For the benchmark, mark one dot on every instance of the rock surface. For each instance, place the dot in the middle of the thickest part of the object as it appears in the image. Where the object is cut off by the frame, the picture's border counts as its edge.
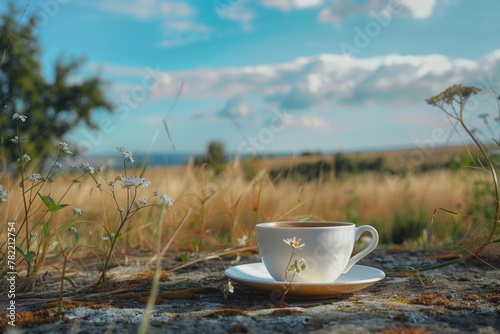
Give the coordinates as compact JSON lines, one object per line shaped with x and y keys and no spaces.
{"x":461,"y":298}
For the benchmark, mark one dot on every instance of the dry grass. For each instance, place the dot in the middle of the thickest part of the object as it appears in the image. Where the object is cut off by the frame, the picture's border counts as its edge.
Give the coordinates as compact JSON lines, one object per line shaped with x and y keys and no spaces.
{"x":215,"y":210}
{"x":227,"y":206}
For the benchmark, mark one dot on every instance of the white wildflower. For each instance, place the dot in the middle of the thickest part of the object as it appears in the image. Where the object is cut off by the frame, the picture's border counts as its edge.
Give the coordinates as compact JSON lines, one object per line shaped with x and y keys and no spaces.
{"x":73,"y":229}
{"x":242,"y":241}
{"x":34,"y":177}
{"x":301,"y":266}
{"x":63,"y":148}
{"x":126,"y":154}
{"x":166,"y":200}
{"x":85,"y":166}
{"x":227,"y":288}
{"x":25,"y":158}
{"x":3,"y":194}
{"x":78,"y":211}
{"x":20,"y":117}
{"x":105,"y":238}
{"x":15,"y":140}
{"x":230,"y":287}
{"x":143,"y":201}
{"x":57,"y":164}
{"x":293,"y":242}
{"x":2,"y":191}
{"x":134,"y":181}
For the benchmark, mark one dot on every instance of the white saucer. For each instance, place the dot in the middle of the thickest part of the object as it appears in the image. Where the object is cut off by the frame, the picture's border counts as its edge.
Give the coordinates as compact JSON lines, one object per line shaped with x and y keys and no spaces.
{"x":256,"y":276}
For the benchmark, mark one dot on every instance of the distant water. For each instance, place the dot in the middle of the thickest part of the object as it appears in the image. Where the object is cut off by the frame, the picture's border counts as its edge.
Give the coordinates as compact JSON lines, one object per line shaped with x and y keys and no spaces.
{"x":157,"y":160}
{"x":114,"y":160}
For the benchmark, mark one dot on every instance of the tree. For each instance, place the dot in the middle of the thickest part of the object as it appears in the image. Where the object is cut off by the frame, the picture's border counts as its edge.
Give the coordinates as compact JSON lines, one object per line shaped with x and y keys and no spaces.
{"x":215,"y":156}
{"x":53,"y":108}
{"x":216,"y":153}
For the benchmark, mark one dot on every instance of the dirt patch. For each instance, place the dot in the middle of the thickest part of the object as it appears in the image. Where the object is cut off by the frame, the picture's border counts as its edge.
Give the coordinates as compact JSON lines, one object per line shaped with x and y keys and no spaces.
{"x":462,"y":298}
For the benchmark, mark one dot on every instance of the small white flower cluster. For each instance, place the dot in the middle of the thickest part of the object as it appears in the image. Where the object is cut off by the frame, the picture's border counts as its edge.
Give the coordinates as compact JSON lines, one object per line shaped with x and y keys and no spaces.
{"x":227,"y":288}
{"x":135,"y":182}
{"x":85,"y":166}
{"x":167,"y":199}
{"x":20,"y":117}
{"x":164,"y":199}
{"x":78,"y":211}
{"x":25,"y":158}
{"x":33,"y":177}
{"x":126,"y":154}
{"x":63,"y":148}
{"x":3,"y":194}
{"x":15,"y":140}
{"x":298,"y":266}
{"x":242,"y":241}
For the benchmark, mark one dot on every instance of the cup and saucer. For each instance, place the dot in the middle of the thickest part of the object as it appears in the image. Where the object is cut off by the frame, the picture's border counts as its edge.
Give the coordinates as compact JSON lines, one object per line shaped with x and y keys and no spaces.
{"x":313,"y":257}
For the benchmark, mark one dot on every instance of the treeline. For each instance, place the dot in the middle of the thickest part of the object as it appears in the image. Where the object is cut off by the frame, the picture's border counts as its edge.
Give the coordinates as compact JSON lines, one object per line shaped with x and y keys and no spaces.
{"x":340,"y":165}
{"x":319,"y":166}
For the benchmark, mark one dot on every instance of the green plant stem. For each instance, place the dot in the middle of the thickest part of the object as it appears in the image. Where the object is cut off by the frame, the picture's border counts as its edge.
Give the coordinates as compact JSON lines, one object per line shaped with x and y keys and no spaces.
{"x":143,"y":328}
{"x":256,"y":206}
{"x":63,"y":273}
{"x":460,"y":118}
{"x":288,"y":286}
{"x":287,"y":268}
{"x":124,"y":219}
{"x":202,"y":224}
{"x":495,"y":183}
{"x":102,"y":279}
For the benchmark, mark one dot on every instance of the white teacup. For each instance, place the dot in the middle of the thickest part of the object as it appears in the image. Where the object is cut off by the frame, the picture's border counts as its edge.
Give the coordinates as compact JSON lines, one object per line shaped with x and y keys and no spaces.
{"x":326,"y":247}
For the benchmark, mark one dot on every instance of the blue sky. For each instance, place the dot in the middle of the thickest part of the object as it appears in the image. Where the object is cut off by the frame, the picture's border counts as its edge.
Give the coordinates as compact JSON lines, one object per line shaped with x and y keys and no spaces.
{"x":269,"y":76}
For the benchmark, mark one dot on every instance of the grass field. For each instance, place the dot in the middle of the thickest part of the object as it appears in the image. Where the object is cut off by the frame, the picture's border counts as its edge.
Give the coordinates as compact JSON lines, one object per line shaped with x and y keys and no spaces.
{"x":88,"y":219}
{"x":226,"y":207}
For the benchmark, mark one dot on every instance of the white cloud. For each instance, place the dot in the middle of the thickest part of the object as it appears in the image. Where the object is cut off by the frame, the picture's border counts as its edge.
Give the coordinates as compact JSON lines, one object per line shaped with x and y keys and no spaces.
{"x":309,"y":122}
{"x":242,"y":15}
{"x":325,"y":81}
{"x":179,"y":18}
{"x":334,"y":11}
{"x":292,"y":4}
{"x":419,"y":9}
{"x":236,"y":11}
{"x":235,"y":107}
{"x":148,"y":9}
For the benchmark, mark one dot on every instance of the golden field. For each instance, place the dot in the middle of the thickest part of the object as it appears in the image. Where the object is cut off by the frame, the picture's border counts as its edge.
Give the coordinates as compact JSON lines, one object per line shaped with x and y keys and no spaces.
{"x":218,"y":209}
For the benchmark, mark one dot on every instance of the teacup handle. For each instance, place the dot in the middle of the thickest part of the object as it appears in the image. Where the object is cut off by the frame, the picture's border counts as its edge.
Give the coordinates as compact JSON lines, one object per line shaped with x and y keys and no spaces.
{"x":367,"y":250}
